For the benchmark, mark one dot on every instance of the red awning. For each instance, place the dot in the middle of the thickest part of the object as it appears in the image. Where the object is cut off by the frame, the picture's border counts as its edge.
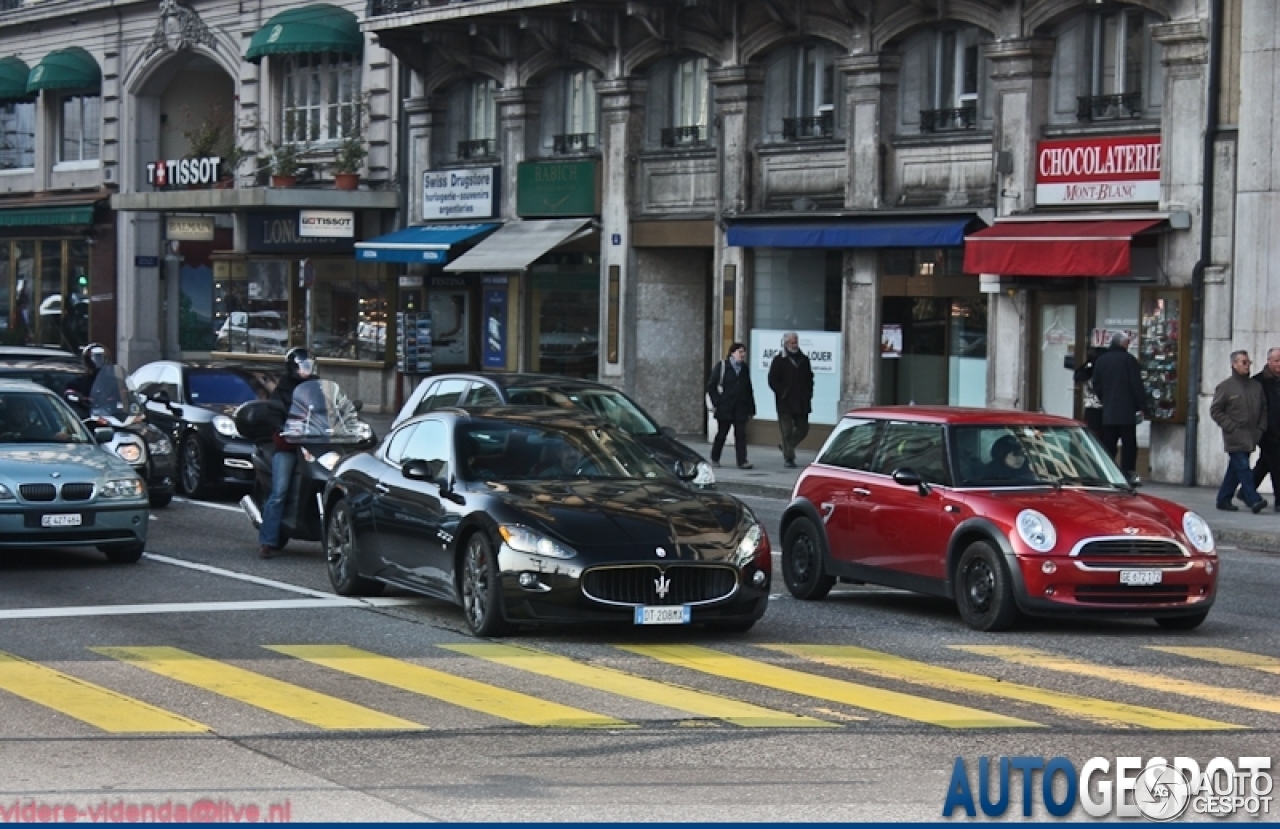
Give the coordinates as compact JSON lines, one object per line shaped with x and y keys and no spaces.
{"x":1063,"y":248}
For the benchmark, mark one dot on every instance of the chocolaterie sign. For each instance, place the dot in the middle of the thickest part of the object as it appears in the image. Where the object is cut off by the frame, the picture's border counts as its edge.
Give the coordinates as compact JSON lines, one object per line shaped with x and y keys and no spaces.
{"x":1113,"y":170}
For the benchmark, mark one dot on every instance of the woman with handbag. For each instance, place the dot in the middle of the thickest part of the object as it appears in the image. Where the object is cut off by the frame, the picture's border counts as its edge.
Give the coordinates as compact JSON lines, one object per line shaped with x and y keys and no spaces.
{"x":733,"y":401}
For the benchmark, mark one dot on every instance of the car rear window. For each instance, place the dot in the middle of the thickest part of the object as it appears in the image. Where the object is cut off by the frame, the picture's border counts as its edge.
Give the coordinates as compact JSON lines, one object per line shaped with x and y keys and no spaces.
{"x":224,"y":388}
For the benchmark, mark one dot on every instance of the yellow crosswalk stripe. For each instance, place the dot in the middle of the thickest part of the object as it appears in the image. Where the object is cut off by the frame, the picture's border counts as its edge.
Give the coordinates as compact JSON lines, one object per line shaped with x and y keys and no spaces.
{"x":1225,"y":656}
{"x":87,"y":702}
{"x":1035,"y":658}
{"x":635,"y":687}
{"x":866,"y":697}
{"x":282,"y":698}
{"x":467,"y":693}
{"x":948,"y":679}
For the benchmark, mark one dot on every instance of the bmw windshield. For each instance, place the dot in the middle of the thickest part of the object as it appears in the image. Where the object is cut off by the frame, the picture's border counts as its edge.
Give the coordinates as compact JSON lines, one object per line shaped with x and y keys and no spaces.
{"x":1025,"y":455}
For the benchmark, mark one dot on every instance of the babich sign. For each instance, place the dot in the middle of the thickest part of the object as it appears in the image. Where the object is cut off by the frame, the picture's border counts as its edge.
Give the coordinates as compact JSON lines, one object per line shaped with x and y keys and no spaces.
{"x":1098,"y":170}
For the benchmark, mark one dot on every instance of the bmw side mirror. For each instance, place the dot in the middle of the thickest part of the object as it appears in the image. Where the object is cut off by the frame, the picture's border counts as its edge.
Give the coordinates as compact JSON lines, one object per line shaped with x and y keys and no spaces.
{"x":907,"y":476}
{"x":103,"y":434}
{"x":667,"y":431}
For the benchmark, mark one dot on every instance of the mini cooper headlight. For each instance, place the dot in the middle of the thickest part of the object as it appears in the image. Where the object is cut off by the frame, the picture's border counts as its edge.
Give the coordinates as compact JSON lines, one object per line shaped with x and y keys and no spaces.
{"x":524,"y":540}
{"x":129,"y":452}
{"x":1036,"y":531}
{"x":1198,"y":532}
{"x":705,"y":475}
{"x":123,"y":488}
{"x":225,"y":426}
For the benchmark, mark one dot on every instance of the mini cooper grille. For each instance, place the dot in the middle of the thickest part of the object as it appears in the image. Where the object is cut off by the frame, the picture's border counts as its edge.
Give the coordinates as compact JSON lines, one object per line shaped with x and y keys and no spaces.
{"x":641,"y":584}
{"x":1121,"y":594}
{"x":37,"y":492}
{"x":1131,"y":547}
{"x":77,"y":492}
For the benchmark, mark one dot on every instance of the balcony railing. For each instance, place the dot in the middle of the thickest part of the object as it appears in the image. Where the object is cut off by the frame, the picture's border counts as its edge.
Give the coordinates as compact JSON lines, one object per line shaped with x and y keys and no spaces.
{"x":380,"y":7}
{"x":475,"y":148}
{"x":815,"y":126}
{"x":693,"y":136}
{"x":574,"y":142}
{"x":955,"y":119}
{"x":1109,"y":107}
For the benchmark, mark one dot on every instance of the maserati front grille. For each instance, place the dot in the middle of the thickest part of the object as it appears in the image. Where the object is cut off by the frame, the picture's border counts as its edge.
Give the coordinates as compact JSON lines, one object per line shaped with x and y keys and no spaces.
{"x":649,"y":584}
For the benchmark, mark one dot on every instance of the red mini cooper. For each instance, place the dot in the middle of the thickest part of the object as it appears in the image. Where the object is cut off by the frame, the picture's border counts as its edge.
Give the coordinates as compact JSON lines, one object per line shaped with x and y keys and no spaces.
{"x":1006,"y":512}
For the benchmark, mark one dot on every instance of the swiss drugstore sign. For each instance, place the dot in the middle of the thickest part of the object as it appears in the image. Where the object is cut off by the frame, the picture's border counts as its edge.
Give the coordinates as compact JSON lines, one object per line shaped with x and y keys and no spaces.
{"x":1098,"y":170}
{"x":450,"y":194}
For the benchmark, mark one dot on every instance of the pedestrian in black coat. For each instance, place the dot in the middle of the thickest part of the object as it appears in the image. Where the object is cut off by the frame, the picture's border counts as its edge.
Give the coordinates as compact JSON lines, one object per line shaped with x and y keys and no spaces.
{"x":734,"y":403}
{"x":791,"y":378}
{"x":1117,"y":380}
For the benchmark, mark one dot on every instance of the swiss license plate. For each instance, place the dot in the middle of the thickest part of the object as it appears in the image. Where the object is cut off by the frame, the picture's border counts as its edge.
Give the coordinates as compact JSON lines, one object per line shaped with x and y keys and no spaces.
{"x":69,"y":519}
{"x":1138,"y":578}
{"x":673,"y":615}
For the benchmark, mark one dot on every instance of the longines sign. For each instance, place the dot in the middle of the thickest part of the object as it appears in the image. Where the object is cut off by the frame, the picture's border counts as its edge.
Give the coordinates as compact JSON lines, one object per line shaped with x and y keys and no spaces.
{"x":1098,"y":170}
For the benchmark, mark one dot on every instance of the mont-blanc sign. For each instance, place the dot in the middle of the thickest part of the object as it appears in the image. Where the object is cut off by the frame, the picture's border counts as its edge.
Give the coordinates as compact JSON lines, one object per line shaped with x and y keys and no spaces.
{"x":1117,"y":170}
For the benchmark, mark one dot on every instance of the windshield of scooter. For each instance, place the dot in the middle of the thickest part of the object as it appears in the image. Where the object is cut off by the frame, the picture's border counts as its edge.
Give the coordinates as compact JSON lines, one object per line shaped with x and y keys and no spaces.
{"x":322,"y":413}
{"x":111,"y":397}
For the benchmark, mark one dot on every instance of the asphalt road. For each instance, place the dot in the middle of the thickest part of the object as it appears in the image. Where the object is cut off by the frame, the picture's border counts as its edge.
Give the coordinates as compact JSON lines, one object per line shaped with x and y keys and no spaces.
{"x":206,"y":678}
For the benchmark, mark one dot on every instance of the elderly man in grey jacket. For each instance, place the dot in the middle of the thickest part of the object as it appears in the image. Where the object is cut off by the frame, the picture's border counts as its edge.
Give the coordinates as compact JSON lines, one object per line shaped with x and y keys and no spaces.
{"x":1240,"y":410}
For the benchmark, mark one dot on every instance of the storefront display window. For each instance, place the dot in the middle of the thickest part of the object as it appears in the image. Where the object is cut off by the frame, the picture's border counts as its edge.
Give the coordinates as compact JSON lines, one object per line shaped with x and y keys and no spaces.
{"x":797,"y":289}
{"x":1163,"y":353}
{"x":44,"y":292}
{"x":566,"y":321}
{"x":348,"y":312}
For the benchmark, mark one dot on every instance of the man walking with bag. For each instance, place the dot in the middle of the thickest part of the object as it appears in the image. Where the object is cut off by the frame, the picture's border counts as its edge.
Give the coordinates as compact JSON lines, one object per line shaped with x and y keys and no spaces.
{"x":1240,"y":409}
{"x":734,"y":401}
{"x":791,"y":378}
{"x":1117,"y":380}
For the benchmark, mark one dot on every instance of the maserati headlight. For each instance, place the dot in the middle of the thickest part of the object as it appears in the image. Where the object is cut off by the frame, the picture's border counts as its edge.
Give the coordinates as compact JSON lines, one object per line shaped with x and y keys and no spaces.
{"x":1036,"y":531}
{"x":129,"y":452}
{"x":706,"y":476}
{"x":225,"y":426}
{"x":123,"y":488}
{"x":750,"y":543}
{"x":1198,"y":532}
{"x":524,"y":540}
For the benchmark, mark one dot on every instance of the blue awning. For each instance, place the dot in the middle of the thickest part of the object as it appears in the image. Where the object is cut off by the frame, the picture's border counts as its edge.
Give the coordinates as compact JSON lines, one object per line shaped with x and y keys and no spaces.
{"x":945,"y":232}
{"x":427,"y":244}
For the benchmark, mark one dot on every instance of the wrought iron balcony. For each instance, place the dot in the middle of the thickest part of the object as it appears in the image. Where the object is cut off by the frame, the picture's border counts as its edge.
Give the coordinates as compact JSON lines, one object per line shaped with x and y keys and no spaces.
{"x":475,"y":148}
{"x":816,"y":126}
{"x":380,"y":7}
{"x":1109,"y":107}
{"x":955,"y":119}
{"x":693,"y":136}
{"x":574,"y":142}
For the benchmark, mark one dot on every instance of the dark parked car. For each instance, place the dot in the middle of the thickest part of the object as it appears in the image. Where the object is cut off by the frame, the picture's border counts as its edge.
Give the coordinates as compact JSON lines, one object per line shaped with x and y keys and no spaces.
{"x":193,"y":404}
{"x":533,"y":515}
{"x":480,"y":390}
{"x":1006,"y":512}
{"x":58,"y":486}
{"x":55,"y":369}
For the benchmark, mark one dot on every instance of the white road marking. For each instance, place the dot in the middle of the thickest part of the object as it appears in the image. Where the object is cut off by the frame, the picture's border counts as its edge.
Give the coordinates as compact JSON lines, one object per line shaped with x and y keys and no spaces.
{"x":198,"y":607}
{"x":210,"y":504}
{"x":232,"y":574}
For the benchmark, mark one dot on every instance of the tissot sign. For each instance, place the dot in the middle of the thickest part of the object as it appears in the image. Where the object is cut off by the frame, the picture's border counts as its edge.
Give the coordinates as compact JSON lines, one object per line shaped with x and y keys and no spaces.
{"x":1098,"y":170}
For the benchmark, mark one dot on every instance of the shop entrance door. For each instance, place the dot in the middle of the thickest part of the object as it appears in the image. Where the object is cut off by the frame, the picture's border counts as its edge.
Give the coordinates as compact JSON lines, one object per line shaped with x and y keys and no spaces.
{"x":1056,"y":347}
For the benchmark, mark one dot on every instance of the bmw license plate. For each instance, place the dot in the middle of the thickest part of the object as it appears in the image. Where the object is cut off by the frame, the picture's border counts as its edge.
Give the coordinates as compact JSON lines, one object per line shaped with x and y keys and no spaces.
{"x":69,"y":519}
{"x":673,"y":615}
{"x":1137,"y":578}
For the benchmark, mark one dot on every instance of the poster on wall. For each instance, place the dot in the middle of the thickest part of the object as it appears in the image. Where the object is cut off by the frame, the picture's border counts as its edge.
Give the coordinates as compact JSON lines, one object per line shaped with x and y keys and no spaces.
{"x":495,"y":327}
{"x":891,"y":341}
{"x":823,"y":348}
{"x":451,"y":334}
{"x":413,"y":342}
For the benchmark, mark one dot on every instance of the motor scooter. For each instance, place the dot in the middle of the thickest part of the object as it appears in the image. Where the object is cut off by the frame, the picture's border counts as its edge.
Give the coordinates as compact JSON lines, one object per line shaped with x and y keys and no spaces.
{"x":144,"y":447}
{"x":323,"y":426}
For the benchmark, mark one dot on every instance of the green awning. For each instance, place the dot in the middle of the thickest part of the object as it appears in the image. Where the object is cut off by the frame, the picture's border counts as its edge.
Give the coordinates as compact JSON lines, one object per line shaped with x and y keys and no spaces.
{"x":319,"y":27}
{"x":13,"y":80}
{"x":44,"y":216}
{"x":70,"y":68}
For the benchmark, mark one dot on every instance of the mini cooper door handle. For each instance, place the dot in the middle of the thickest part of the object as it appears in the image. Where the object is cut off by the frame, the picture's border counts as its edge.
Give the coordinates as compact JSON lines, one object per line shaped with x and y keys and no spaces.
{"x":857,"y":490}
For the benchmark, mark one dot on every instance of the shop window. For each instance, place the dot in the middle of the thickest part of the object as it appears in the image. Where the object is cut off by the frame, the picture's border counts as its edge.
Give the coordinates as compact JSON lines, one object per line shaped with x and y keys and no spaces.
{"x":571,"y":112}
{"x":348,"y":312}
{"x":688,"y":118}
{"x":321,"y":97}
{"x":44,"y":293}
{"x":475,"y":127}
{"x":79,"y":128}
{"x":943,"y":79}
{"x":797,"y":289}
{"x":1107,"y":67}
{"x":566,"y":314}
{"x":17,"y":135}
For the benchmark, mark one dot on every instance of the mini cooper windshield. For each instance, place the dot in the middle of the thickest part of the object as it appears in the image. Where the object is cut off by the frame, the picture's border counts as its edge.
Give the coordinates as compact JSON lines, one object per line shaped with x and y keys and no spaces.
{"x":1024,"y":455}
{"x":490,"y":450}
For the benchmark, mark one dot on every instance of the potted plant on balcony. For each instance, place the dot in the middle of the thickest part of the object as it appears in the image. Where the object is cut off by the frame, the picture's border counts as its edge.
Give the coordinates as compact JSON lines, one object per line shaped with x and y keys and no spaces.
{"x":348,"y":158}
{"x":207,"y":138}
{"x":284,"y":157}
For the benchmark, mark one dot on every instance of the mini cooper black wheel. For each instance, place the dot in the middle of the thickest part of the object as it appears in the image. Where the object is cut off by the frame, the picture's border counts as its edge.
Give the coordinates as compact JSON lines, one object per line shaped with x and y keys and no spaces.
{"x":340,"y":554}
{"x":984,"y":594}
{"x":802,"y":568}
{"x":481,"y":588}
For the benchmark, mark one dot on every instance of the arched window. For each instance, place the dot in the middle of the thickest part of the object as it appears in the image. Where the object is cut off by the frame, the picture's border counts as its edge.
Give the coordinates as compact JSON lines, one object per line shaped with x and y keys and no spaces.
{"x":320,"y":97}
{"x":943,"y":79}
{"x":473,"y":122}
{"x":570,"y":112}
{"x":802,"y":93}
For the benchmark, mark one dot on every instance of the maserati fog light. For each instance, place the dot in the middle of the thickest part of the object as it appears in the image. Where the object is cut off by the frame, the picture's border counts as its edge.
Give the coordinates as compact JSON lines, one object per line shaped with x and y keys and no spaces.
{"x":528,"y":580}
{"x":758,"y":578}
{"x":1048,"y":567}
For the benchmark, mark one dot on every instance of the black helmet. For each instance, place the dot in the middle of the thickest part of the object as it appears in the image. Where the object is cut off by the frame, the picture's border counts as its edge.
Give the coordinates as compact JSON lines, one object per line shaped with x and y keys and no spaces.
{"x":95,"y":356}
{"x":300,"y":364}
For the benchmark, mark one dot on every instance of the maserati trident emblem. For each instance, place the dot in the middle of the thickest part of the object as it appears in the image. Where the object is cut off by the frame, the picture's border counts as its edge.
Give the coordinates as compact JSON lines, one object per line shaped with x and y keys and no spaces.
{"x":662,"y":585}
{"x":1131,"y":530}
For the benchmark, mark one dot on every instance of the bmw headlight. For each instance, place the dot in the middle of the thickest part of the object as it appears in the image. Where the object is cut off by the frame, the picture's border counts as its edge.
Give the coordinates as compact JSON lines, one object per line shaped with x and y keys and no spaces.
{"x":1036,"y":531}
{"x":750,"y":543}
{"x":705,"y":475}
{"x":160,"y":446}
{"x":225,"y":426}
{"x":129,"y":452}
{"x":123,"y":488}
{"x":1198,"y":532}
{"x":524,"y":540}
{"x":5,"y":493}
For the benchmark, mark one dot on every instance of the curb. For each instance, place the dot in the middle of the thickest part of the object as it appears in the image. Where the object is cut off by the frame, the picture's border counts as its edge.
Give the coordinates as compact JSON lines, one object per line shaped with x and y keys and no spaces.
{"x":1248,"y":540}
{"x":748,"y":488}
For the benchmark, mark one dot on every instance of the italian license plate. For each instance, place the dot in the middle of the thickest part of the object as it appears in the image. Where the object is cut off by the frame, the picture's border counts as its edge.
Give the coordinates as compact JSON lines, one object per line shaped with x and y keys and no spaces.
{"x":674,"y":615}
{"x":70,"y":519}
{"x":1138,"y":578}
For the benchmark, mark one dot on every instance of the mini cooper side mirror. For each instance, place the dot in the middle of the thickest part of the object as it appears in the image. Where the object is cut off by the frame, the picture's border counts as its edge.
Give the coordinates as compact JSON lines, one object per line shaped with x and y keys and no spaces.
{"x":906,"y":476}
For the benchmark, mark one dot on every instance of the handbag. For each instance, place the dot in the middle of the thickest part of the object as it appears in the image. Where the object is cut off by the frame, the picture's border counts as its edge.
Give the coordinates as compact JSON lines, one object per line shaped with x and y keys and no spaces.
{"x":711,"y":407}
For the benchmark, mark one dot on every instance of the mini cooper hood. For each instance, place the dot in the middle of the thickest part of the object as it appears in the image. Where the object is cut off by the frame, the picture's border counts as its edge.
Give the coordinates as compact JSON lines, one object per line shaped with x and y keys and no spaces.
{"x":1084,"y":512}
{"x":607,"y":514}
{"x":71,"y":461}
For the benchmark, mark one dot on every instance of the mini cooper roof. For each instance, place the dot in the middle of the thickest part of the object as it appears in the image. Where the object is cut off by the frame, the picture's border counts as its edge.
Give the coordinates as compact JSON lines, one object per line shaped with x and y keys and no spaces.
{"x":961,"y":416}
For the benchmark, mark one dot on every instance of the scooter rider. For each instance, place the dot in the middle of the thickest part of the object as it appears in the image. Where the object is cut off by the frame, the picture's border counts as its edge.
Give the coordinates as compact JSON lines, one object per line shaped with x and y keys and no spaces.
{"x":299,"y":366}
{"x":95,"y":357}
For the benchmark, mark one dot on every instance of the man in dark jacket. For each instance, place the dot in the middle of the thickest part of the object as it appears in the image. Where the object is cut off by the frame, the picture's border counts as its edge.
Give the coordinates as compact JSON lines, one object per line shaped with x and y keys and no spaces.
{"x":1239,"y":409}
{"x":1269,"y":446}
{"x":1117,"y":380}
{"x":791,"y":378}
{"x":299,"y":367}
{"x":734,"y":402}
